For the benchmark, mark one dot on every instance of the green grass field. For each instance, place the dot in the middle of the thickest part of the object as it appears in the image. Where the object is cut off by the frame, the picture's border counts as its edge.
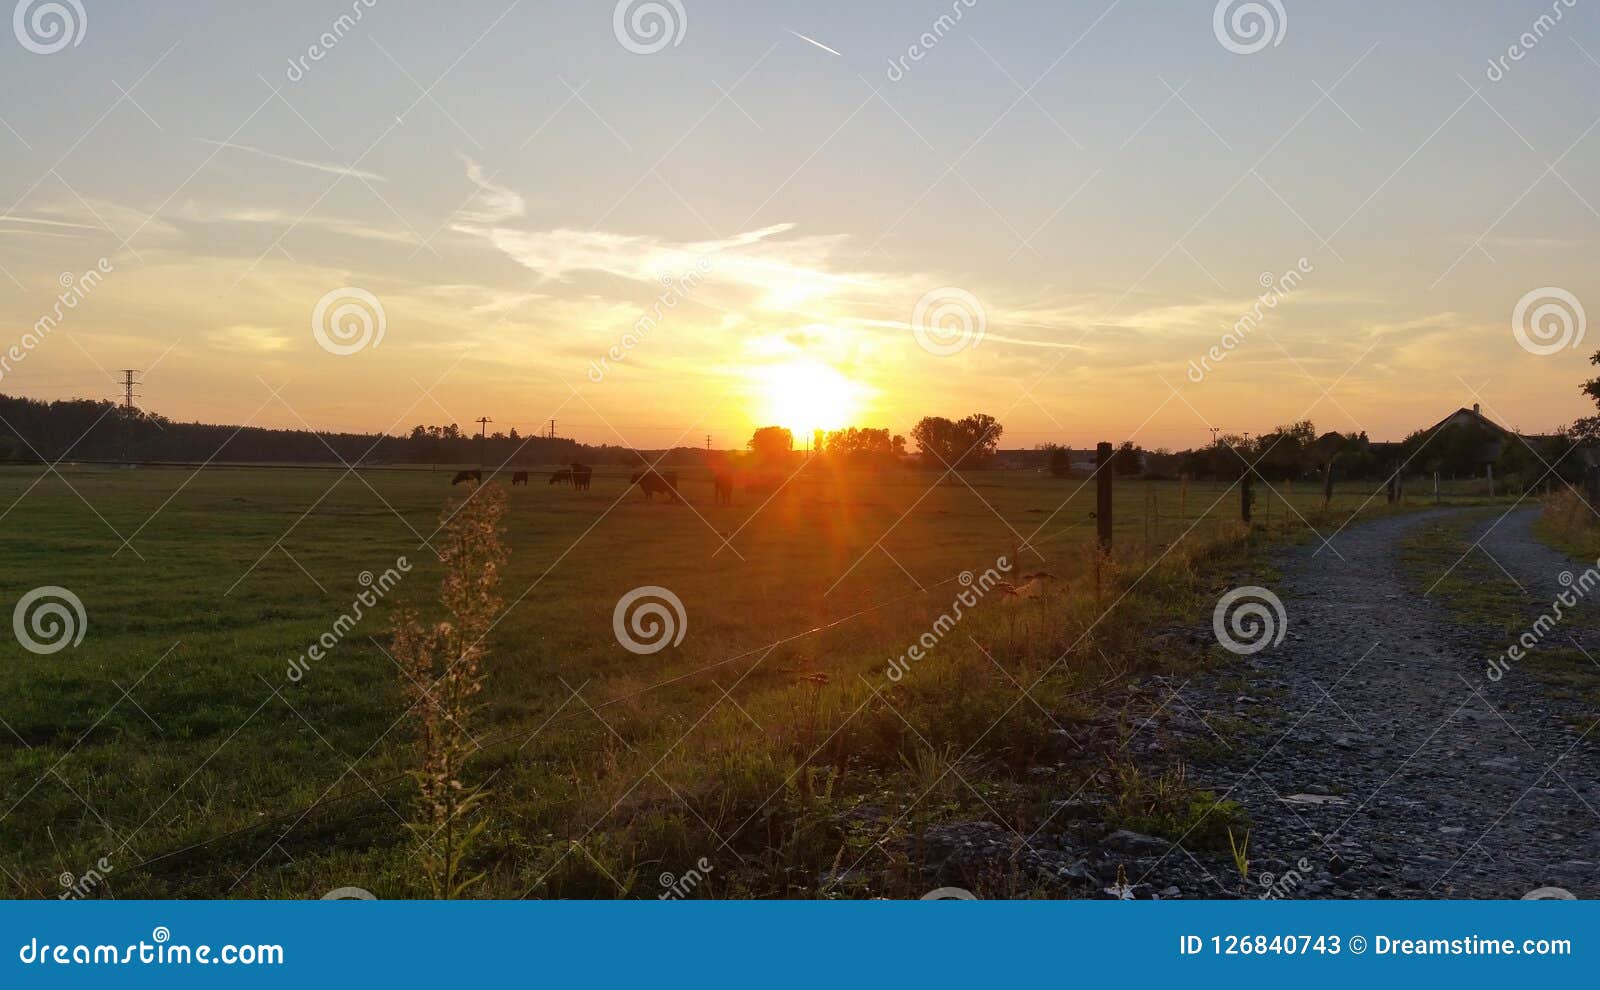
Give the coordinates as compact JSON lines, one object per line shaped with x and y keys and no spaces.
{"x":172,"y":748}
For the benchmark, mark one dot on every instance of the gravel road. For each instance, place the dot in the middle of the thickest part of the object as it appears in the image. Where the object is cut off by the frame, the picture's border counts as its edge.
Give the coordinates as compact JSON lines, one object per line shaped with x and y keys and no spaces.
{"x":1373,"y":752}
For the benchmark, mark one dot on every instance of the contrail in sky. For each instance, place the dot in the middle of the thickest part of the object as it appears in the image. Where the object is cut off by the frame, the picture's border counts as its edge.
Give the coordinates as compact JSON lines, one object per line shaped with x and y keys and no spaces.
{"x":813,"y":41}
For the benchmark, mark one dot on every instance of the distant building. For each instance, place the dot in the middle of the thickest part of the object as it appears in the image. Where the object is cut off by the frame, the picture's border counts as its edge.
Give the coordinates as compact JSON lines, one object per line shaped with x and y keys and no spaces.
{"x":1487,"y":452}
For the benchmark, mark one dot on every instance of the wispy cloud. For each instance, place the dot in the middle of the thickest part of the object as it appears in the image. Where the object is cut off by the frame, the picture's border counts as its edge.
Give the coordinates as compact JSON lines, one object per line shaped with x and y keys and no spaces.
{"x":249,"y":339}
{"x":492,"y":203}
{"x":272,"y":217}
{"x":331,"y":169}
{"x":37,"y":221}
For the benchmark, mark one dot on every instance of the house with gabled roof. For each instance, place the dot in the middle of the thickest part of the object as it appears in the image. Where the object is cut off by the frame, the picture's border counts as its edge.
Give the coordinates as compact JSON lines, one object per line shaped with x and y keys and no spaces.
{"x":1495,"y":436}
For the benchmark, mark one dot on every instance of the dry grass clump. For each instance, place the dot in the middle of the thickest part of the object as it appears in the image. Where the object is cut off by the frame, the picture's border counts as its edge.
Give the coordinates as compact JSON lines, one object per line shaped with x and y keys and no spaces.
{"x":441,"y":672}
{"x":1569,"y":523}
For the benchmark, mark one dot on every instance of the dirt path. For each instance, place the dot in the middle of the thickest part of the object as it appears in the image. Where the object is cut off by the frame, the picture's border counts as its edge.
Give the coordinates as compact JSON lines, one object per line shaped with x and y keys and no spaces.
{"x":1373,"y":752}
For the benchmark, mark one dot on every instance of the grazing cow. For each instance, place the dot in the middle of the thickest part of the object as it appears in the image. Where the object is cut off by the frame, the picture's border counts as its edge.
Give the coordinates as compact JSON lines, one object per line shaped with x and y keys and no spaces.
{"x":723,"y":482}
{"x":519,"y":478}
{"x":651,"y":482}
{"x":473,"y":476}
{"x":561,"y":477}
{"x":581,"y":473}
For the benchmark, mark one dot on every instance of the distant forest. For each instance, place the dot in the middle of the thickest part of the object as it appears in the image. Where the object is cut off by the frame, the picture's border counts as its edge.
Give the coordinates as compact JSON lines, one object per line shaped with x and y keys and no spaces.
{"x":97,"y":430}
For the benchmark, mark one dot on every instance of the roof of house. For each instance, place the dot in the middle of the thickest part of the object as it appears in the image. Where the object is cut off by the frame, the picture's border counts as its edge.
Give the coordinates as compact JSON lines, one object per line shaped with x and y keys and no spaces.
{"x":1464,"y":415}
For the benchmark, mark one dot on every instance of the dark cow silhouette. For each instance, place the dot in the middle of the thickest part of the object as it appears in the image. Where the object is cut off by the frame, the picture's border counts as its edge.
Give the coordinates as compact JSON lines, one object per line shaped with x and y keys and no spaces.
{"x":474,"y":476}
{"x":519,"y":478}
{"x":723,"y":482}
{"x":581,"y":474}
{"x":651,"y":482}
{"x":561,"y":477}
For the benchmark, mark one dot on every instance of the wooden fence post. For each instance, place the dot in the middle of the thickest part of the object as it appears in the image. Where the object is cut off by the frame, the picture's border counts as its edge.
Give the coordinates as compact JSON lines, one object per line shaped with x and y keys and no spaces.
{"x":1245,"y":497}
{"x":1102,"y":506}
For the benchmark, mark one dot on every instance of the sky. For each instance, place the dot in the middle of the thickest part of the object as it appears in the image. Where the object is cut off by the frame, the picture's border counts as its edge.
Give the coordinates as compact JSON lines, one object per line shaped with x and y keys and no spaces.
{"x":656,"y":221}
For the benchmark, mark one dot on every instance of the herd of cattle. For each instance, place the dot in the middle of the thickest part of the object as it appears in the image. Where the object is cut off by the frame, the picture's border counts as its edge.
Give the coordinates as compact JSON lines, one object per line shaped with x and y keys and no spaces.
{"x":577,"y":476}
{"x":651,"y":482}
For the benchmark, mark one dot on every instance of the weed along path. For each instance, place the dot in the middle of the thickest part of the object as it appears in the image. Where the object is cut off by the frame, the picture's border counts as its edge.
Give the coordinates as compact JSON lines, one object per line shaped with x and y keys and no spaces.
{"x":1390,"y":743}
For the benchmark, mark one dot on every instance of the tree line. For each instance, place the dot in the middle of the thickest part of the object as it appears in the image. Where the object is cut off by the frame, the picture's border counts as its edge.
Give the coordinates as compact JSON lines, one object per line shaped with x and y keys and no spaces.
{"x":967,"y":443}
{"x":96,"y":430}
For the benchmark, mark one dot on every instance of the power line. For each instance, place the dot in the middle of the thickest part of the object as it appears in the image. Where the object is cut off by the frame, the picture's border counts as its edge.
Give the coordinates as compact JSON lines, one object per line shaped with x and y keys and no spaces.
{"x":483,"y":425}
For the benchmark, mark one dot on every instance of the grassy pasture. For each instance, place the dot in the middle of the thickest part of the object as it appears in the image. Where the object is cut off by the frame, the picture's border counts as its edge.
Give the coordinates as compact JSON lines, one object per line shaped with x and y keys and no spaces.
{"x":174,"y":724}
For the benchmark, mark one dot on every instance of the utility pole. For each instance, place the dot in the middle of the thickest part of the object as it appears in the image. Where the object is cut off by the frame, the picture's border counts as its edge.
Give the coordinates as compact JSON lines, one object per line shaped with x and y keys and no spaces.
{"x":483,"y":425}
{"x":708,"y":441}
{"x":128,"y":386}
{"x":552,"y":429}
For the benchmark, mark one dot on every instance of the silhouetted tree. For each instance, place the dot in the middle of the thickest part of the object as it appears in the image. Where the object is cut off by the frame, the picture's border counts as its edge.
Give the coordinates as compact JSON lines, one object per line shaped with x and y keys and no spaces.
{"x":1060,"y":462}
{"x":967,"y":443}
{"x":1128,"y":460}
{"x":771,"y":443}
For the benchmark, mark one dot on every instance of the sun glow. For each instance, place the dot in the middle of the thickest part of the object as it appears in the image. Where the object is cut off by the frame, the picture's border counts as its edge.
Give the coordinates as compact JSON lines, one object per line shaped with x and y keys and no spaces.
{"x":806,"y":396}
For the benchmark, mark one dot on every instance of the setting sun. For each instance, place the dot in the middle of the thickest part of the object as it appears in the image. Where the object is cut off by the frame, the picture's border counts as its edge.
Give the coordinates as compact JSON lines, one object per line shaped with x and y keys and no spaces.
{"x":806,"y":396}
